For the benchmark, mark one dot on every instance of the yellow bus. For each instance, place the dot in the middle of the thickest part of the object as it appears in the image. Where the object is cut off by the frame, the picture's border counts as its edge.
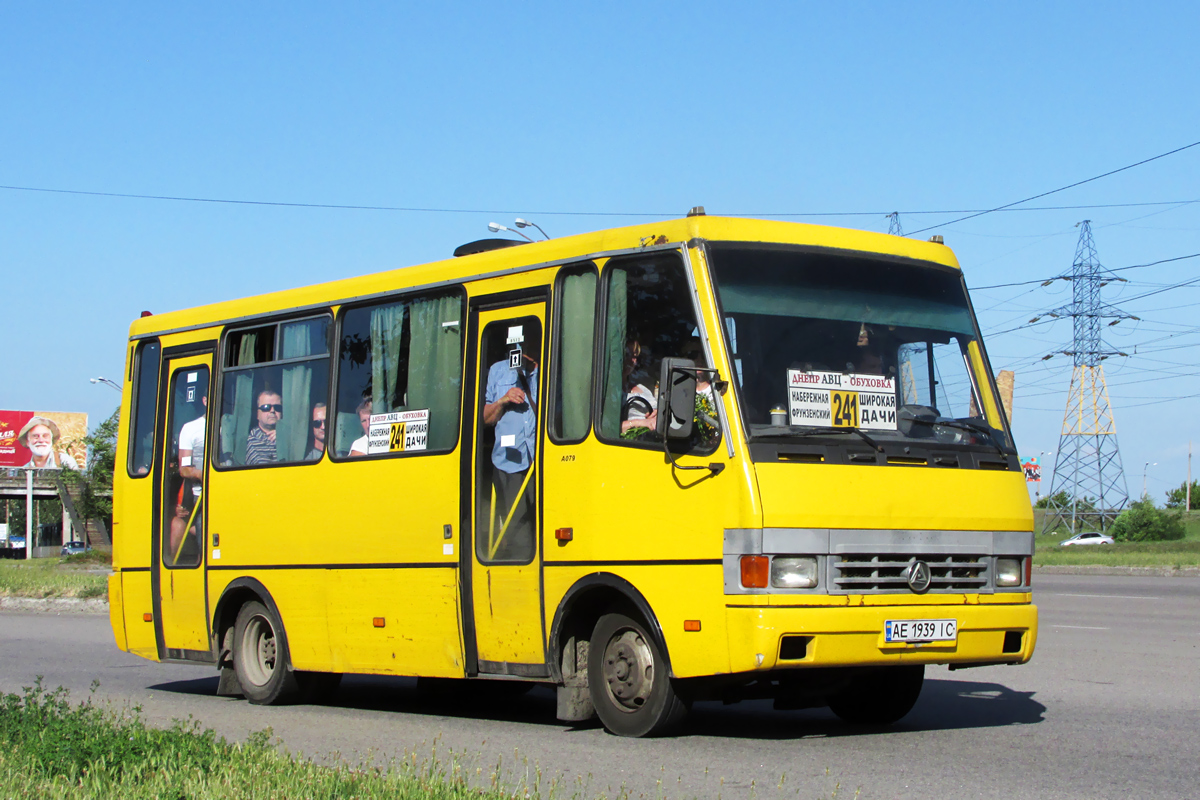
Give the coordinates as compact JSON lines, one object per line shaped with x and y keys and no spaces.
{"x":706,"y":458}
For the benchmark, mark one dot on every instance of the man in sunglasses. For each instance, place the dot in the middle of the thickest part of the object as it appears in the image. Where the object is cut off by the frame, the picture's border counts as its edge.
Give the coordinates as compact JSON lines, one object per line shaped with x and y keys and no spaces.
{"x":260,"y":444}
{"x":318,"y":430}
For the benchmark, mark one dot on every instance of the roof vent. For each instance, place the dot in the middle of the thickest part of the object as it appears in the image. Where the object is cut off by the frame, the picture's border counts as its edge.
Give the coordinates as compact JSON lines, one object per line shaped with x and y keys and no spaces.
{"x":483,"y":246}
{"x":696,"y":211}
{"x":936,"y":239}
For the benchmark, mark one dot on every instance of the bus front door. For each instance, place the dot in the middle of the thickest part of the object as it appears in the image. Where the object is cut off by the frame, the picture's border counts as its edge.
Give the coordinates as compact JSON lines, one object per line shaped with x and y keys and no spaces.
{"x":505,"y":563}
{"x":180,"y":602}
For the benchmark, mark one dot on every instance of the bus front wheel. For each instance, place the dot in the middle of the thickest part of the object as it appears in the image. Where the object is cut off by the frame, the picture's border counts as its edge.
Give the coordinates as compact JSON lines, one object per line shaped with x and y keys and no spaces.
{"x":260,"y":656}
{"x":879,"y":697}
{"x":628,"y":680}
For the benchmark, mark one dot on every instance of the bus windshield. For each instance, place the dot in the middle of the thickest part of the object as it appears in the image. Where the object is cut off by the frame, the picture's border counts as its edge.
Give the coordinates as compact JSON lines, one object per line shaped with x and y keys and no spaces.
{"x":823,"y":343}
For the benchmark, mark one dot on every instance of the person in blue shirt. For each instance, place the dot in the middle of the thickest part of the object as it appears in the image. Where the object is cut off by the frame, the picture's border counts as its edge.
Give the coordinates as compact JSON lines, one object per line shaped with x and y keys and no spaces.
{"x":510,"y":406}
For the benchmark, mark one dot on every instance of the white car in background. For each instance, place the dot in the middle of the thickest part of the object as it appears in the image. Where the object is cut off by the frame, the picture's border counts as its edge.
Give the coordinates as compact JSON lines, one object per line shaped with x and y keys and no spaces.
{"x":1087,"y":538}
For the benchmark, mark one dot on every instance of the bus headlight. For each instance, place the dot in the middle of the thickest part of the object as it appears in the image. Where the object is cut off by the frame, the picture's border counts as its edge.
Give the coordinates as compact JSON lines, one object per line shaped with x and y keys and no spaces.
{"x":793,"y":572}
{"x":1008,"y":572}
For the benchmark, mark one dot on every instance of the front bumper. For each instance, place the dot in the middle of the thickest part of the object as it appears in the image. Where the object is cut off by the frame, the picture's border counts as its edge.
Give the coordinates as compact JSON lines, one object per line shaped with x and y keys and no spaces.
{"x":853,"y":636}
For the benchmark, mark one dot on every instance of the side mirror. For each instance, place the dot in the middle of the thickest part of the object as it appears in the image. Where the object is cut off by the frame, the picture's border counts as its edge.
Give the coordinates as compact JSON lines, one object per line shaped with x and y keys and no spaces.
{"x":676,"y":398}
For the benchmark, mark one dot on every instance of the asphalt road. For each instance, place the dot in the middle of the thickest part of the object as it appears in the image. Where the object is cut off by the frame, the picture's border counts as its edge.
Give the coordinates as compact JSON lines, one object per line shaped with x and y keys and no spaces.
{"x":1109,"y":707}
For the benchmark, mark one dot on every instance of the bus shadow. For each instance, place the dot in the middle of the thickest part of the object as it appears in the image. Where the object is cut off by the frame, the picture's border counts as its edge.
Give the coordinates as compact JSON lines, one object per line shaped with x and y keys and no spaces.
{"x":944,"y":705}
{"x":491,"y":700}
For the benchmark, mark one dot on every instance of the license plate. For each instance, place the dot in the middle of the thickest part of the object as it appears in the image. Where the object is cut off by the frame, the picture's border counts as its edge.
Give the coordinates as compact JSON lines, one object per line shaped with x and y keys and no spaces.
{"x":920,"y":630}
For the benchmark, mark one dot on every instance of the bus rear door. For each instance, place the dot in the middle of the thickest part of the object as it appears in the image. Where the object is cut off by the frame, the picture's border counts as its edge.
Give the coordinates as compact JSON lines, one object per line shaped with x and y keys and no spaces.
{"x":180,"y":602}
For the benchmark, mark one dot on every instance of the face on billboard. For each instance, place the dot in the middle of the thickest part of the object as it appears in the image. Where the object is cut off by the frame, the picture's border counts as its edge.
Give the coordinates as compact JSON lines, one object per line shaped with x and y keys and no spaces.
{"x":55,"y":439}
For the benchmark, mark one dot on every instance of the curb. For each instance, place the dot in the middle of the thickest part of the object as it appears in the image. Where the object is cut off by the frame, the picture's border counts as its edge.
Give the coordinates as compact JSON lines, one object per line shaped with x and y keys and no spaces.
{"x":1145,"y":572}
{"x":55,"y":605}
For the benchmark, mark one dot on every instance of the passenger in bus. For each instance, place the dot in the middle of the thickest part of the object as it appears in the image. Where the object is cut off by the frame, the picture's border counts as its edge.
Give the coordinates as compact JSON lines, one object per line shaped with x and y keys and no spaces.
{"x":318,"y":433}
{"x":260,"y":444}
{"x":359,"y":448}
{"x":191,"y":471}
{"x":510,"y":405}
{"x":640,"y":407}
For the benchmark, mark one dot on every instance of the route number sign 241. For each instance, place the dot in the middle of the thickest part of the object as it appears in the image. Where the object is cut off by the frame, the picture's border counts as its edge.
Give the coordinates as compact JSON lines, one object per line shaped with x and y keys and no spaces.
{"x":841,"y":400}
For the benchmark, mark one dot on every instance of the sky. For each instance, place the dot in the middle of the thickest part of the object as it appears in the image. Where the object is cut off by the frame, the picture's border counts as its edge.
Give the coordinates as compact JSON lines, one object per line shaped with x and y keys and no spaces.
{"x":587,"y":116}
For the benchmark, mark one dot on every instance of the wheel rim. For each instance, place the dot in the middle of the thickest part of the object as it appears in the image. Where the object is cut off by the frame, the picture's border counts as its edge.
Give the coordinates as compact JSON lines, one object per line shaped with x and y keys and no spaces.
{"x":629,"y":670}
{"x":258,"y":649}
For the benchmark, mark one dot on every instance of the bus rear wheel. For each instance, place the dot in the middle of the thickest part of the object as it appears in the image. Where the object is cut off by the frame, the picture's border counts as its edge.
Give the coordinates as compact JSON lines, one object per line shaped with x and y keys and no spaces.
{"x":881,"y":696}
{"x":628,"y":680}
{"x":260,"y":656}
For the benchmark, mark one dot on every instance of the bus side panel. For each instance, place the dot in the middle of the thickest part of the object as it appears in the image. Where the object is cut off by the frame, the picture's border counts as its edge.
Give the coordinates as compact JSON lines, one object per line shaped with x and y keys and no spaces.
{"x":417,"y":607}
{"x":382,"y":518}
{"x":137,"y":603}
{"x":623,"y":505}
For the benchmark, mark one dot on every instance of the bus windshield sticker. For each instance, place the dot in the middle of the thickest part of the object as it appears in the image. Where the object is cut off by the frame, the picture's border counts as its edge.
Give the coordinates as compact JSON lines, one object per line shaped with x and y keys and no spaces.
{"x":516,"y":334}
{"x":398,"y":432}
{"x":840,"y":400}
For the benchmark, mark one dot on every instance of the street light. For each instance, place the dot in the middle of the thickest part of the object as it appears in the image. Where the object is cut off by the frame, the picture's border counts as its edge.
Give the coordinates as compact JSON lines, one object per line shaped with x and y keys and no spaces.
{"x":106,"y":382}
{"x":524,"y":223}
{"x":1148,"y":465}
{"x":496,"y":226}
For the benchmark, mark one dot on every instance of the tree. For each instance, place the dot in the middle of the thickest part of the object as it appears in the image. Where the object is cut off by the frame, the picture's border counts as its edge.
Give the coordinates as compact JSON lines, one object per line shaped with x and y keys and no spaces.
{"x":95,"y":483}
{"x":1061,"y":500}
{"x":1177,"y":497}
{"x":1143,"y":522}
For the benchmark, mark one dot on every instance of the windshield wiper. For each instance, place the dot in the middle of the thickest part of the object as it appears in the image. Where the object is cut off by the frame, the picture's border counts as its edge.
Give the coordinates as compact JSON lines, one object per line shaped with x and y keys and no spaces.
{"x":814,"y":431}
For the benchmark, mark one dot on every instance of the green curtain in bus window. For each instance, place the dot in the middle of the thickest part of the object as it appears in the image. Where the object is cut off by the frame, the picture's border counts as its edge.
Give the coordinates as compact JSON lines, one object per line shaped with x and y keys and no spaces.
{"x":575,"y":355}
{"x":435,"y":365}
{"x":387,"y":325}
{"x":291,"y":438}
{"x":614,"y":355}
{"x":246,"y":349}
{"x":243,"y":408}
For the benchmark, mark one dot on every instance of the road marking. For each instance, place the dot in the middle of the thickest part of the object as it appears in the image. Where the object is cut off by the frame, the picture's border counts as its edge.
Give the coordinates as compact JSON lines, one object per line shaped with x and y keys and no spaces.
{"x":1103,"y":596}
{"x":1080,"y":627}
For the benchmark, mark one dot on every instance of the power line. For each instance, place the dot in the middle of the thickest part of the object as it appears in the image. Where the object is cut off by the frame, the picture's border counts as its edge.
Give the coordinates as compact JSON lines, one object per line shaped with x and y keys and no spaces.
{"x":1060,"y":189}
{"x":438,"y":210}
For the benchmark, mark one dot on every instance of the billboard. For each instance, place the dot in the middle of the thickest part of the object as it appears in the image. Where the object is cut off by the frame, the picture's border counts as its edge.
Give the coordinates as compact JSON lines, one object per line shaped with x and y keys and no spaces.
{"x":1033,"y":469}
{"x":43,"y":439}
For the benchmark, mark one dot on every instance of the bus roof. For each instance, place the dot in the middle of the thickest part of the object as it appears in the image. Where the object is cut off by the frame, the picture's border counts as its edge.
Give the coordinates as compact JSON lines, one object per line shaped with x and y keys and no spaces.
{"x":581,"y":246}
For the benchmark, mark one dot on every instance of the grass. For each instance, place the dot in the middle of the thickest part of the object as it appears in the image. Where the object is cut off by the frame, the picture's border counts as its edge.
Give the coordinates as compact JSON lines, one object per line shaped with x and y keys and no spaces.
{"x":53,"y":577}
{"x":50,"y":748}
{"x":1181,"y":553}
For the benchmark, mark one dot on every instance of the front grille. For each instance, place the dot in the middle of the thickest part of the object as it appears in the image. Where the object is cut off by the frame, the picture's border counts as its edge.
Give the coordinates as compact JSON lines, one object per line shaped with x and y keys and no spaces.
{"x":867,"y":573}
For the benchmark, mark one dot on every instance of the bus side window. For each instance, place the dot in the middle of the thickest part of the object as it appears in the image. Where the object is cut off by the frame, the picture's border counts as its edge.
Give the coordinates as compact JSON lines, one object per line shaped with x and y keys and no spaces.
{"x":572,"y":358}
{"x":648,"y":317}
{"x":145,"y":394}
{"x":404,"y":355}
{"x":268,"y":407}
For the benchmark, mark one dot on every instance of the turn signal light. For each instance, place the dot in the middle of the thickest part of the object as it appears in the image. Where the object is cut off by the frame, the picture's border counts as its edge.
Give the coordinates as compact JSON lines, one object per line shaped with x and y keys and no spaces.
{"x":756,"y":571}
{"x":377,"y":622}
{"x":147,"y":617}
{"x":1029,"y":572}
{"x":691,"y":624}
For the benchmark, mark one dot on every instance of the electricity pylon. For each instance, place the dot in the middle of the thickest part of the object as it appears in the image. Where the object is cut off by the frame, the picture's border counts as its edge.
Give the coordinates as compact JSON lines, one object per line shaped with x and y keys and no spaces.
{"x":1087,"y":466}
{"x":894,"y":228}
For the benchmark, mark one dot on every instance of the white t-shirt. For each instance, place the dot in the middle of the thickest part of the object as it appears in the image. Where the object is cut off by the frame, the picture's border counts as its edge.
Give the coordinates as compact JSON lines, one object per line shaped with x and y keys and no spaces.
{"x":191,"y":437}
{"x":359,"y":446}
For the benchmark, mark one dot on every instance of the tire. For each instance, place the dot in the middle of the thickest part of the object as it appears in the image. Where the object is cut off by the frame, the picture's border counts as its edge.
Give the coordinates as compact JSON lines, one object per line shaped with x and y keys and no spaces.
{"x":628,"y":680}
{"x":260,"y":656}
{"x":879,"y":697}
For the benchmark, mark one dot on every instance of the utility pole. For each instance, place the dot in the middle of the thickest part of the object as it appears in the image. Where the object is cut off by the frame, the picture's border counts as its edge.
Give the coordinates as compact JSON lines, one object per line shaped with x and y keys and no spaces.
{"x":1088,"y":466}
{"x":1187,"y":506}
{"x":894,"y":228}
